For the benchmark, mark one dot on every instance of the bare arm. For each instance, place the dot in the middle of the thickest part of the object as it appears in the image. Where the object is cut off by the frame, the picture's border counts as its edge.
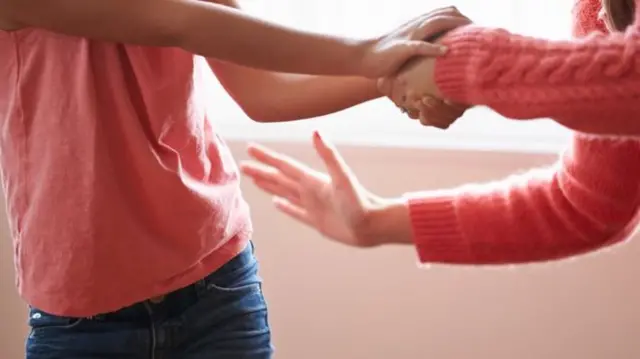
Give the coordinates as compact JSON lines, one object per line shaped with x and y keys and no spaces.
{"x":278,"y":97}
{"x":268,"y":96}
{"x":208,"y":29}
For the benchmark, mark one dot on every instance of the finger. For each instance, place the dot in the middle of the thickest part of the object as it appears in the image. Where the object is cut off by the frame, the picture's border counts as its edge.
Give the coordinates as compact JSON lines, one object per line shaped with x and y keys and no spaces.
{"x":397,"y":92}
{"x":296,"y":212}
{"x":459,"y":107}
{"x":412,"y":110}
{"x":284,"y":164}
{"x":449,"y":10}
{"x":423,"y":48}
{"x":424,"y":120}
{"x":274,"y":189}
{"x":271,"y":181}
{"x":412,"y":22}
{"x":336,"y":166}
{"x":436,"y":121}
{"x":260,"y":172}
{"x":439,"y":24}
{"x":413,"y":114}
{"x":440,"y":108}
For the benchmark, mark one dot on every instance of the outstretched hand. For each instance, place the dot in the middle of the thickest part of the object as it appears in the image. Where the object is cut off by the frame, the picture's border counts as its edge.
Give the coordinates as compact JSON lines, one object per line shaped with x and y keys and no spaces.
{"x":334,"y":203}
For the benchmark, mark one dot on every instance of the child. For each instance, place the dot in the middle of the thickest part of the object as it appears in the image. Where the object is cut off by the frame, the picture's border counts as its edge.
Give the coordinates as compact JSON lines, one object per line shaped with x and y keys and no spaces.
{"x":588,"y":200}
{"x":131,"y":234}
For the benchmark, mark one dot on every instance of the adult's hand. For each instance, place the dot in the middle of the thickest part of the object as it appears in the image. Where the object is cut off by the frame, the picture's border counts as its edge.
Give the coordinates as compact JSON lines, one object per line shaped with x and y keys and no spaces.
{"x":413,"y":88}
{"x":334,"y":203}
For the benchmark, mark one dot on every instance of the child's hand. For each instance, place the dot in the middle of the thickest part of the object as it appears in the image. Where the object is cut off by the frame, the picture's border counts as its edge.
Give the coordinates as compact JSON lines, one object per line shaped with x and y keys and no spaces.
{"x":414,"y":81}
{"x":414,"y":90}
{"x":385,"y":55}
{"x":438,"y":113}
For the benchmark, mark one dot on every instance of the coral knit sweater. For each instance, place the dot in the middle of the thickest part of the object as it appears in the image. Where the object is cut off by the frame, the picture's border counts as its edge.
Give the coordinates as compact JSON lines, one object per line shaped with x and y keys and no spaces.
{"x":591,"y":197}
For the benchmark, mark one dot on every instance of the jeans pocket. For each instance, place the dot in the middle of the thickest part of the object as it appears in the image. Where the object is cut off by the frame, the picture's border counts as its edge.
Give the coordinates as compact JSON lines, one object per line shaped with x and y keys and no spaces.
{"x":238,"y":275}
{"x":39,"y":320}
{"x":237,"y":288}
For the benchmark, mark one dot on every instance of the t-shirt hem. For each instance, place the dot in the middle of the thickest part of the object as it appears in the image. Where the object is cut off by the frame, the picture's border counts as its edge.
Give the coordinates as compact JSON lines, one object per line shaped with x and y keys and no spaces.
{"x":198,"y":271}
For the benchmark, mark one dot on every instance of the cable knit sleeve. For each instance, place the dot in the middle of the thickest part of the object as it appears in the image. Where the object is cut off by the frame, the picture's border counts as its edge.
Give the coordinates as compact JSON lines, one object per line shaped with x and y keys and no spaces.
{"x":588,"y":200}
{"x":590,"y":85}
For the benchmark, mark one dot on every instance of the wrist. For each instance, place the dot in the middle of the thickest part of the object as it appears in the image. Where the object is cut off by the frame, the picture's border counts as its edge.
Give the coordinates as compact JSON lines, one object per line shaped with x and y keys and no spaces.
{"x":371,"y":89}
{"x":361,"y":49}
{"x":389,"y":222}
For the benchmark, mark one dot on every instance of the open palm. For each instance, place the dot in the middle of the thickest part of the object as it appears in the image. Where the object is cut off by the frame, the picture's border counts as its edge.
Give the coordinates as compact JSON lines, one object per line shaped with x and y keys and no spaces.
{"x":334,"y":203}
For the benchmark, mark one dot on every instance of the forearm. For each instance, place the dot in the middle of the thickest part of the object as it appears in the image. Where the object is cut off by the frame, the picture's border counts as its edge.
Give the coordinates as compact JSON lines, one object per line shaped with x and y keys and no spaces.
{"x":208,"y":29}
{"x":260,"y":44}
{"x":587,"y":85}
{"x":267,"y":96}
{"x":303,"y":97}
{"x":277,"y":97}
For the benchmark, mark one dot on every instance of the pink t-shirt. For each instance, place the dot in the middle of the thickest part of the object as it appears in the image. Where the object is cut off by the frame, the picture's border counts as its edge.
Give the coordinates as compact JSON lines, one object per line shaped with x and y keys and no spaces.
{"x":117,"y":187}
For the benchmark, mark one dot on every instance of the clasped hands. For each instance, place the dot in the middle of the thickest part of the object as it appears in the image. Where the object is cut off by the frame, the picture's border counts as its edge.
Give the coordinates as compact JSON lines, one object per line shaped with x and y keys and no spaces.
{"x":334,"y":202}
{"x":413,"y":88}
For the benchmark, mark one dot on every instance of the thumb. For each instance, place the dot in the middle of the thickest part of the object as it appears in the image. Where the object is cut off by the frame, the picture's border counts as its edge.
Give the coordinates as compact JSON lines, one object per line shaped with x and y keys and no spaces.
{"x":337,"y":168}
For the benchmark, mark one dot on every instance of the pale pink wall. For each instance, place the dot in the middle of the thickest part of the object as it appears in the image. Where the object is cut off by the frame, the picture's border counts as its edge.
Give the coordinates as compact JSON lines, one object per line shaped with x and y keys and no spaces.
{"x":329,"y":301}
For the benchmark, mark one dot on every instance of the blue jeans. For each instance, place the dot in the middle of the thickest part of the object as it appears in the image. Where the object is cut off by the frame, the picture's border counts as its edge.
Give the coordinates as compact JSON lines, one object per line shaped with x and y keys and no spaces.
{"x":223,"y":316}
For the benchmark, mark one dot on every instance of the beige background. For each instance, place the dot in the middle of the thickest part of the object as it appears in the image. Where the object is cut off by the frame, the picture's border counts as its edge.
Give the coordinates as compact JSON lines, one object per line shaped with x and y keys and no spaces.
{"x":328,"y":301}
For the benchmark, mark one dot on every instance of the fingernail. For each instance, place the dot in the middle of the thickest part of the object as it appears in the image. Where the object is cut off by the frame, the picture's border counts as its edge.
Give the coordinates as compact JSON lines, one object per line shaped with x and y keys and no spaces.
{"x":443,"y":49}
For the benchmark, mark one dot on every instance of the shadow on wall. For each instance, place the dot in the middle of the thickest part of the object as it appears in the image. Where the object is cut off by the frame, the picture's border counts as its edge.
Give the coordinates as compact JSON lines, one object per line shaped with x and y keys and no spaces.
{"x":328,"y":301}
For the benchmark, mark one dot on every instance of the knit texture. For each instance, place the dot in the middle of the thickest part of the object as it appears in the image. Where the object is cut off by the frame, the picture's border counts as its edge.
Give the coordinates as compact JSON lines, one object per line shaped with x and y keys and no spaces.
{"x":573,"y":82}
{"x":590,"y":197}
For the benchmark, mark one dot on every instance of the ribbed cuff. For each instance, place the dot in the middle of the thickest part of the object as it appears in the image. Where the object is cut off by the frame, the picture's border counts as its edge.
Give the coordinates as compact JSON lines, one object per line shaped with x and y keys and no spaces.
{"x":436,"y":229}
{"x":455,"y":71}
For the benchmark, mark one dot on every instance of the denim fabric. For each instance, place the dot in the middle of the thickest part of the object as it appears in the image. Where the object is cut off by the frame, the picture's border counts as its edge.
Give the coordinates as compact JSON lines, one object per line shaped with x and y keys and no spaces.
{"x":223,"y":316}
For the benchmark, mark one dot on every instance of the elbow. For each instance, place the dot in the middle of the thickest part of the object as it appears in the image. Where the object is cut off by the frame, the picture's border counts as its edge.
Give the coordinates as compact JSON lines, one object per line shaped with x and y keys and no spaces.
{"x":262,"y":117}
{"x":257,"y":115}
{"x":256,"y":107}
{"x":263,"y":113}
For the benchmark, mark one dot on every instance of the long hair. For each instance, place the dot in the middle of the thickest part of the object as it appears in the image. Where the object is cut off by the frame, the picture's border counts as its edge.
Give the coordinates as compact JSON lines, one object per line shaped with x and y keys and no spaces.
{"x":620,"y":13}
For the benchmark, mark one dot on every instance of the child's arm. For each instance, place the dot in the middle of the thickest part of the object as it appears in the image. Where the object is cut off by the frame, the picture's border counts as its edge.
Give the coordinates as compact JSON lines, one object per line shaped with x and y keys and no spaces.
{"x":267,"y":96}
{"x":587,"y":201}
{"x":277,"y":97}
{"x":216,"y":31}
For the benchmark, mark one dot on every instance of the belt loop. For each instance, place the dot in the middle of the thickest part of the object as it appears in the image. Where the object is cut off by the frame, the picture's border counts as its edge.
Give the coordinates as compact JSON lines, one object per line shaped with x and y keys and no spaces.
{"x":200,"y":287}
